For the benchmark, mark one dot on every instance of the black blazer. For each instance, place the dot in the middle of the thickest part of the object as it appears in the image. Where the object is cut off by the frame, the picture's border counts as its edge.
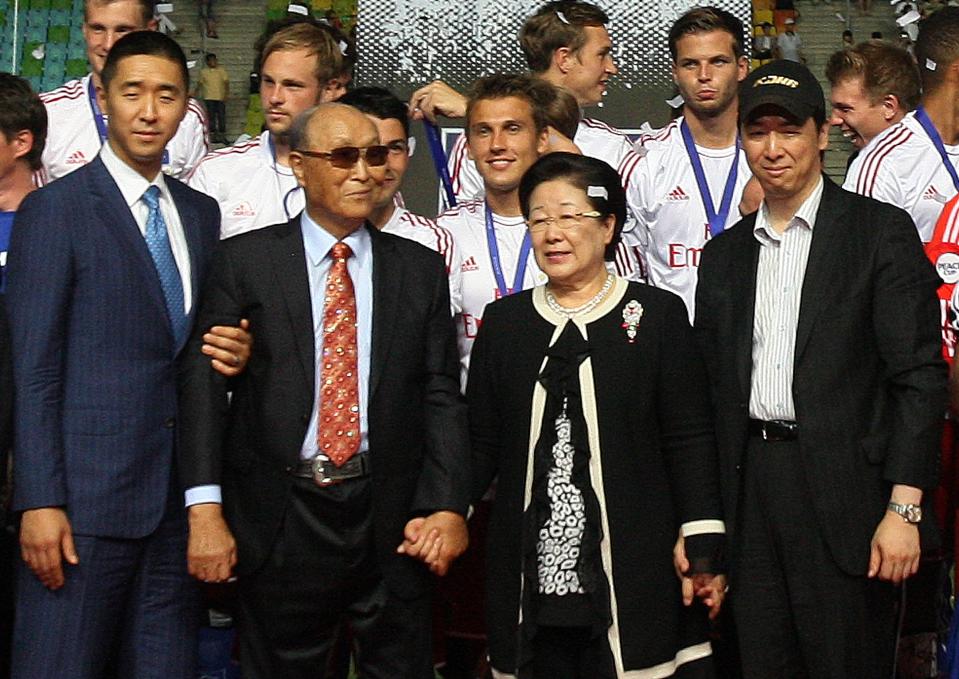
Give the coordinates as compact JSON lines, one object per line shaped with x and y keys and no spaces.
{"x":417,"y":421}
{"x":869,"y":383}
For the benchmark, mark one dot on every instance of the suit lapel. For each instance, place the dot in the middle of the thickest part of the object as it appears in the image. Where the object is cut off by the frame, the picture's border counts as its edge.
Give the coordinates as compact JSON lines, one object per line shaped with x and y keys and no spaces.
{"x":744,"y":291}
{"x":114,"y":213}
{"x":824,"y":260}
{"x":289,"y":268}
{"x":387,"y":282}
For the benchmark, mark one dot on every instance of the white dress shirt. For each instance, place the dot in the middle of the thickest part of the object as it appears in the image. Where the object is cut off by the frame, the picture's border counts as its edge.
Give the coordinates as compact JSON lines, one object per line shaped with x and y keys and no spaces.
{"x":133,"y":185}
{"x":779,"y":282}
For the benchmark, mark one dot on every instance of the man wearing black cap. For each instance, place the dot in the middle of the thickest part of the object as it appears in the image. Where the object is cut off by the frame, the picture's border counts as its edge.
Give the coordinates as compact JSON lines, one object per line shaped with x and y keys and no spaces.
{"x":818,"y":316}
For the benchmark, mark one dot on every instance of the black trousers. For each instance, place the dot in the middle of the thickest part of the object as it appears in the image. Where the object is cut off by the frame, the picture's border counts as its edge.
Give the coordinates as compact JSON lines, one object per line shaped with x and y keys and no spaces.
{"x":322,"y":575}
{"x":797,"y":614}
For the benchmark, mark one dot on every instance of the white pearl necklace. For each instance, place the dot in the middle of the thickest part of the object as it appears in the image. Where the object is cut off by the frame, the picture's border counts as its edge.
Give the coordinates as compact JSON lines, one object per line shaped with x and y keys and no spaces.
{"x":569,"y":312}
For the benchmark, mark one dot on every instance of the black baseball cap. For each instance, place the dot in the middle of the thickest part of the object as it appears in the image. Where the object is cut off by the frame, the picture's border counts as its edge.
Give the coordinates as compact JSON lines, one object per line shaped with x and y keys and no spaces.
{"x":788,"y":85}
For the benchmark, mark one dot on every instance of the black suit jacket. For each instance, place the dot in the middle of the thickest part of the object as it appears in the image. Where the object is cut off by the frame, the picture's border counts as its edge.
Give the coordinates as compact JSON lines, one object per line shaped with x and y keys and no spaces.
{"x":417,"y":423}
{"x":869,"y":383}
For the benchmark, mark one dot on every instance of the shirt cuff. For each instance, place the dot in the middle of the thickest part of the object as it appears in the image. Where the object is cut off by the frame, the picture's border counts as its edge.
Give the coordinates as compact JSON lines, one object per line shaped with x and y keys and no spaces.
{"x":199,"y":495}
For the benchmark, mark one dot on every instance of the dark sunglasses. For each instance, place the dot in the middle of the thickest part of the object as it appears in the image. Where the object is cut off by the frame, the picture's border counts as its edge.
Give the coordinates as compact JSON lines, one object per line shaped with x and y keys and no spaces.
{"x":346,"y":157}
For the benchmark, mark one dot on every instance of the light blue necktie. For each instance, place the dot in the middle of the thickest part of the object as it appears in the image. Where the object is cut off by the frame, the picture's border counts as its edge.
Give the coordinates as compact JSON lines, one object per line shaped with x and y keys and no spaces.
{"x":158,"y":241}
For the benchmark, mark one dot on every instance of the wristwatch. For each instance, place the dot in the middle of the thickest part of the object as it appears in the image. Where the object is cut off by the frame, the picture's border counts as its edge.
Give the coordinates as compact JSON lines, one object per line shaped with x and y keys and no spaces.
{"x":909,"y":513}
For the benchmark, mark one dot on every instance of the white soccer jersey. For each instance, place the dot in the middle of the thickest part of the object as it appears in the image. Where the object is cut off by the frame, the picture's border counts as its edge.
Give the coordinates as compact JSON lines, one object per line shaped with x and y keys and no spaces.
{"x":467,"y":223}
{"x":594,"y":138}
{"x":427,"y":232}
{"x":73,"y":139}
{"x":901,"y":166}
{"x":252,"y":189}
{"x":664,"y":199}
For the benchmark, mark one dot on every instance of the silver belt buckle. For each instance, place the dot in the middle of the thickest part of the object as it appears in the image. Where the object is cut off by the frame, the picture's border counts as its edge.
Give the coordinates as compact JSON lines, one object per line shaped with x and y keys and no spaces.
{"x":321,"y":476}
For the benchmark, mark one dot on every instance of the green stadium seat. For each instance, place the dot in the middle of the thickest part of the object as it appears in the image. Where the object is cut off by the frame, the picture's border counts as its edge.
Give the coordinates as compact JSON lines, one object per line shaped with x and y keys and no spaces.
{"x":37,"y":34}
{"x":76,"y":68}
{"x":58,"y":34}
{"x":61,"y":17}
{"x":30,"y":66}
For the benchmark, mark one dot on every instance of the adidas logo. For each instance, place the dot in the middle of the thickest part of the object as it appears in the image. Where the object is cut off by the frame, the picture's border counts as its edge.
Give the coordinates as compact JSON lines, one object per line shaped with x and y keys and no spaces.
{"x":932,"y":194}
{"x":469,"y":265}
{"x":677,"y":194}
{"x":243,"y":210}
{"x":76,"y":158}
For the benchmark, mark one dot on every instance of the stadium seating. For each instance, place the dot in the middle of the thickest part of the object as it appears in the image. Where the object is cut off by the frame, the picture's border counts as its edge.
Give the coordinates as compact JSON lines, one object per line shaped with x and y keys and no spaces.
{"x":49,"y":46}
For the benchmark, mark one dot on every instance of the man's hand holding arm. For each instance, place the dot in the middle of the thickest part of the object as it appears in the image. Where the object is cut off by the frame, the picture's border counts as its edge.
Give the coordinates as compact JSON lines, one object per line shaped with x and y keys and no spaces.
{"x":228,"y":347}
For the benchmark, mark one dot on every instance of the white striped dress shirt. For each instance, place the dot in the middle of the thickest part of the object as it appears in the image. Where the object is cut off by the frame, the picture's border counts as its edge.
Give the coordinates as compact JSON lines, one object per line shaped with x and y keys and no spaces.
{"x":779,"y":281}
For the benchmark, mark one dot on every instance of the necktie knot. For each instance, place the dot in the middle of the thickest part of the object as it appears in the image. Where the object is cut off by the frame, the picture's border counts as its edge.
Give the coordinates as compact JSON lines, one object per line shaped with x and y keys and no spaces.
{"x":340,"y":251}
{"x":152,"y":196}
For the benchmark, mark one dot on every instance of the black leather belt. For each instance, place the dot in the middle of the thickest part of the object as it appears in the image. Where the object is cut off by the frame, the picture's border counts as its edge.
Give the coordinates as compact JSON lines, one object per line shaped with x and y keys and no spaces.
{"x":324,"y":473}
{"x":774,"y":430}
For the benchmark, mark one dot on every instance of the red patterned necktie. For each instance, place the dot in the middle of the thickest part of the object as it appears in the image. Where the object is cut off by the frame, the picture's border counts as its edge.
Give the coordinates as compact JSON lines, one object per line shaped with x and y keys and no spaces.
{"x":338,"y":430}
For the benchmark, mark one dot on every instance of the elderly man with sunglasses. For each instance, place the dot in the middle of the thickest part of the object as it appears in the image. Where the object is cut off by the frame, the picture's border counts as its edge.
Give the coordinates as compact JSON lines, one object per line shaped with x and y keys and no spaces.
{"x":345,"y":434}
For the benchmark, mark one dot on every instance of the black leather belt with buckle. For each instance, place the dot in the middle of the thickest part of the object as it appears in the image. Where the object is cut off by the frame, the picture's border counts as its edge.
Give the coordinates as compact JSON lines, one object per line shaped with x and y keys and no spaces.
{"x":324,"y":473}
{"x":774,"y":430}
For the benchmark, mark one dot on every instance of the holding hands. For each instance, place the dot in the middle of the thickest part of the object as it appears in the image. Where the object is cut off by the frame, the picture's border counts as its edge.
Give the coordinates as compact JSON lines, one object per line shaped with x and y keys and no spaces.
{"x":709,"y":588}
{"x":436,"y":540}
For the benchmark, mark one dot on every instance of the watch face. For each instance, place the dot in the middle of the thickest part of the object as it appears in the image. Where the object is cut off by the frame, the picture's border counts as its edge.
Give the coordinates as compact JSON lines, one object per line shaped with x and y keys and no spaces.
{"x":913,"y":513}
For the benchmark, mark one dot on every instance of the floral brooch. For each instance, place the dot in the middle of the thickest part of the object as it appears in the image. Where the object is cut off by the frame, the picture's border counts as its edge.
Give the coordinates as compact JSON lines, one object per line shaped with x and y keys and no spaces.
{"x":632,"y":312}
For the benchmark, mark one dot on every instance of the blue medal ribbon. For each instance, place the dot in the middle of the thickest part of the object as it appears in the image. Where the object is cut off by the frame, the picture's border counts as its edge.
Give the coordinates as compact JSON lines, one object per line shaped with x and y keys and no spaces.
{"x":717,"y":220}
{"x":933,"y":133}
{"x":439,"y":160}
{"x":498,"y":265}
{"x":98,"y":117}
{"x":101,"y":121}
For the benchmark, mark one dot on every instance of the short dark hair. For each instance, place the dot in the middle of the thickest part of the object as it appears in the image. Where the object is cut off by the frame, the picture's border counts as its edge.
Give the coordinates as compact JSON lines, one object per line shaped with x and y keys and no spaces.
{"x":147,"y":8}
{"x":582,"y":172}
{"x":21,"y":109}
{"x":554,"y":25}
{"x":938,"y":42}
{"x":380,"y":103}
{"x":144,"y":43}
{"x":210,"y":55}
{"x":707,"y":20}
{"x":535,"y":91}
{"x":885,"y":68}
{"x":562,"y":111}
